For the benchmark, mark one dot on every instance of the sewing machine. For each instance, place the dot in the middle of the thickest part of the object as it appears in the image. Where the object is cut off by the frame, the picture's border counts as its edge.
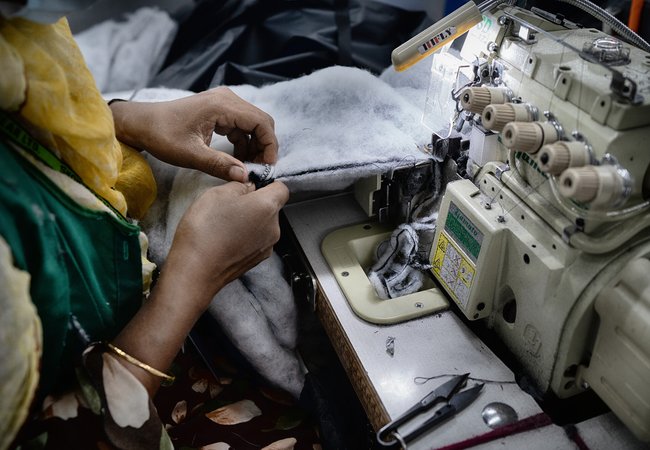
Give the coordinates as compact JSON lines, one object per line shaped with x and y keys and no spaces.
{"x":546,"y":237}
{"x":548,"y":242}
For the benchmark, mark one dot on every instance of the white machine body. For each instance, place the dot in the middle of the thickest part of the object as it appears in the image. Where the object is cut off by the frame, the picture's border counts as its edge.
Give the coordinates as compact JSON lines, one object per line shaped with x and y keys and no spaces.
{"x":554,"y":253}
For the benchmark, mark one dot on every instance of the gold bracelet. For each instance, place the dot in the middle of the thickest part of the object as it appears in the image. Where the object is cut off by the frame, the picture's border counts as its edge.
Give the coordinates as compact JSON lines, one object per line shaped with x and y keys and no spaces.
{"x":122,"y":354}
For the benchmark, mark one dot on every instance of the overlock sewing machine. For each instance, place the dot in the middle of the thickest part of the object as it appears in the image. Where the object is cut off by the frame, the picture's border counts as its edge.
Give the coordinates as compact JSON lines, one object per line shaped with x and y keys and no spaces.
{"x":544,"y":234}
{"x":547,"y":237}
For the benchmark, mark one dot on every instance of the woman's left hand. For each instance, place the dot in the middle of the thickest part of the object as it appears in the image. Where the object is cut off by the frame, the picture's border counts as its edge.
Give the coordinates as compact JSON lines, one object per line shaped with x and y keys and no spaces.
{"x":179,"y":131}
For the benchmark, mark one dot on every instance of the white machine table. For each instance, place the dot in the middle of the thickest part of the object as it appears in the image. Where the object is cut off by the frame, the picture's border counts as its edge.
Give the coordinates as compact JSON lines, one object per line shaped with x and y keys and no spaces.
{"x":438,"y":345}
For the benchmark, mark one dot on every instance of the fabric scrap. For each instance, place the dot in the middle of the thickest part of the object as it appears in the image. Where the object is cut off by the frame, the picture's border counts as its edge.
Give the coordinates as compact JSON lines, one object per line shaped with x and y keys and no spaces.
{"x":126,"y":55}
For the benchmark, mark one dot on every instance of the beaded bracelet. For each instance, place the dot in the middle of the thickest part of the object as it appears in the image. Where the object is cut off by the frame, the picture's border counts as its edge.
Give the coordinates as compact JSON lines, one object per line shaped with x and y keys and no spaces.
{"x":122,"y":354}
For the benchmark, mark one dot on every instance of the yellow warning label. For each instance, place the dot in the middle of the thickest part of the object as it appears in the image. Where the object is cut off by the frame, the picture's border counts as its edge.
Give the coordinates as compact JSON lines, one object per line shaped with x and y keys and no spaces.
{"x":453,"y":269}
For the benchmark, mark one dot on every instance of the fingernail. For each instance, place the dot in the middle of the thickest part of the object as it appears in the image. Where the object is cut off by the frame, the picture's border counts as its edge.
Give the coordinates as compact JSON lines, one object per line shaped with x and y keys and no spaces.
{"x":236,"y":173}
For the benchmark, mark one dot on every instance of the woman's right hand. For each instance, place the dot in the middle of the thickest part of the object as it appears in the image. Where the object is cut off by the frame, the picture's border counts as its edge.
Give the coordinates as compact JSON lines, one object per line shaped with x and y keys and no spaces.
{"x":226,"y":231}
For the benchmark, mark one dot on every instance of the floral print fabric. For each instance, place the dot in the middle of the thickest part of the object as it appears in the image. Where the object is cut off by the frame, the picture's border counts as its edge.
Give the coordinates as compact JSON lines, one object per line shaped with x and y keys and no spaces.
{"x":110,"y":409}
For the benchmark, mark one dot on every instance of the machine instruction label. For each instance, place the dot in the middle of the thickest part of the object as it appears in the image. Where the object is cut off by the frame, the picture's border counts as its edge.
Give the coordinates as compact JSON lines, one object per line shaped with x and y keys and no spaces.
{"x":463,"y":232}
{"x":455,"y":271}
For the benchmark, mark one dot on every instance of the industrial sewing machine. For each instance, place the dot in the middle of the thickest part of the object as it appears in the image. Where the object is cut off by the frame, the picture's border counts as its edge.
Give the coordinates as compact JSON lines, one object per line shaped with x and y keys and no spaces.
{"x":546,"y":237}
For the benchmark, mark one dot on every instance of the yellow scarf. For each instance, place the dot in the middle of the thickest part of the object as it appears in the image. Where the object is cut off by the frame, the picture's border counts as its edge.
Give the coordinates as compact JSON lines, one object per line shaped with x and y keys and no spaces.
{"x":47,"y":81}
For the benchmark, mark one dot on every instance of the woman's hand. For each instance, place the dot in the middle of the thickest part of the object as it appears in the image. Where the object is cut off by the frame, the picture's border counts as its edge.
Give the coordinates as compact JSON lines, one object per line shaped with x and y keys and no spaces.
{"x":224,"y":233}
{"x":179,"y":131}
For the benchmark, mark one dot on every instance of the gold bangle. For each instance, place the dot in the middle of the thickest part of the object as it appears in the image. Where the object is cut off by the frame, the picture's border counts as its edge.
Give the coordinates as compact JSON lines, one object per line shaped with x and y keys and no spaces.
{"x":122,"y":354}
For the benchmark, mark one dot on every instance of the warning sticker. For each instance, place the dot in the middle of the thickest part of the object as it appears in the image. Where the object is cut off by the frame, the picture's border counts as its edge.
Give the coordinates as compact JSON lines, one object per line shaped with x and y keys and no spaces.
{"x":453,"y":269}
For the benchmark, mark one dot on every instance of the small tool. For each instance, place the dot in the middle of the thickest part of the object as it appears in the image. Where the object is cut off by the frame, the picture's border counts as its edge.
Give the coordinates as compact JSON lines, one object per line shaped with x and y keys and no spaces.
{"x":448,"y":392}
